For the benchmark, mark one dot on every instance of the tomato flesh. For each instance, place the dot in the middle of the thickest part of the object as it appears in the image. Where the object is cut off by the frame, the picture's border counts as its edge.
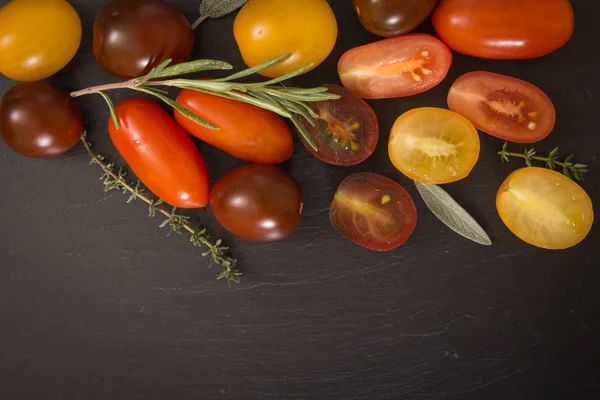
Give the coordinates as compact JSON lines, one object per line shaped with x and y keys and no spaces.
{"x":346,"y":131}
{"x":373,"y":211}
{"x":545,"y":208}
{"x":433,"y":145}
{"x":503,"y":106}
{"x":395,"y":67}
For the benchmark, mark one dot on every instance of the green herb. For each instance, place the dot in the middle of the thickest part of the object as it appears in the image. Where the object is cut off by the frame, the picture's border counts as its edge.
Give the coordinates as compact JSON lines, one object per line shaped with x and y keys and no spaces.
{"x":289,"y":102}
{"x":217,"y":9}
{"x":573,"y":171}
{"x":176,"y":223}
{"x":443,"y":206}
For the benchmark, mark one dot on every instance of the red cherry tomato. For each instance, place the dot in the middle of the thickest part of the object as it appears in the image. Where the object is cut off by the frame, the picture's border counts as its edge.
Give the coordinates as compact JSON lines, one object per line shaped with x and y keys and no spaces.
{"x":373,"y":211}
{"x":395,"y":67}
{"x":504,"y":29}
{"x":159,"y":152}
{"x":505,"y":107}
{"x":247,"y":132}
{"x":346,"y":131}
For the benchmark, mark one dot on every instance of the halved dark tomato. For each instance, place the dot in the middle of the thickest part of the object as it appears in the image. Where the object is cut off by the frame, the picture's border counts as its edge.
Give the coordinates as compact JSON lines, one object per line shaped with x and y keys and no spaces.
{"x":346,"y":131}
{"x":503,"y":106}
{"x":395,"y":67}
{"x":373,"y":211}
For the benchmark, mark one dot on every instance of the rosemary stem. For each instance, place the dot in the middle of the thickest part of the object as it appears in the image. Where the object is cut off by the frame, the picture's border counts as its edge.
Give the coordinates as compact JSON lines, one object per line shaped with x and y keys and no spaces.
{"x":537,"y":158}
{"x":100,"y":88}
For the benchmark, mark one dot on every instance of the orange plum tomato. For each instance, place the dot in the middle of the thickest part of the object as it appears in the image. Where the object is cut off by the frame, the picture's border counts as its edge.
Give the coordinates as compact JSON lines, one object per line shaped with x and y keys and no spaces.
{"x":346,"y":131}
{"x":433,"y":145}
{"x":38,"y":38}
{"x":373,"y":211}
{"x":160,"y":153}
{"x":267,"y":29}
{"x":247,"y":132}
{"x":259,"y":203}
{"x":395,"y":67}
{"x":545,"y":208}
{"x":502,"y":106}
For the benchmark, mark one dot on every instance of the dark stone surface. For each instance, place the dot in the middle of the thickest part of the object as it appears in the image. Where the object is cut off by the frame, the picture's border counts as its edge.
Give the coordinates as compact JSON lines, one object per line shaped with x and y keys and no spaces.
{"x":96,"y":303}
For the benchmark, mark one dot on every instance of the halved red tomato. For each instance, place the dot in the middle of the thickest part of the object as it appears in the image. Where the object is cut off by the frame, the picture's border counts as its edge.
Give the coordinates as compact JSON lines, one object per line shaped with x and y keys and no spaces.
{"x":503,"y":106}
{"x":373,"y":211}
{"x":346,"y":131}
{"x":395,"y":67}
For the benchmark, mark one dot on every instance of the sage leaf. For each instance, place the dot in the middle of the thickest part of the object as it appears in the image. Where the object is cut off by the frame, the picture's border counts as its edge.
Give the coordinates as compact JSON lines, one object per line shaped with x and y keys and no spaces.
{"x":443,"y":206}
{"x":220,"y":8}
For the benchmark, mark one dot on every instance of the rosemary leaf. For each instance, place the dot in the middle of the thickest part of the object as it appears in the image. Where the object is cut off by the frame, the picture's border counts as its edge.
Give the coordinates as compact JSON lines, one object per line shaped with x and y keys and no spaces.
{"x":282,"y":78}
{"x":191,"y":67}
{"x":111,"y":106}
{"x":153,"y":72}
{"x":443,"y":206}
{"x":255,"y":69}
{"x":303,"y":132}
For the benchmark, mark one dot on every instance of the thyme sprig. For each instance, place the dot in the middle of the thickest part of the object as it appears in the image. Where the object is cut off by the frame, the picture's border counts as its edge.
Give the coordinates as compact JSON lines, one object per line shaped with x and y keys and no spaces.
{"x":571,"y":170}
{"x":289,"y":102}
{"x":116,"y":180}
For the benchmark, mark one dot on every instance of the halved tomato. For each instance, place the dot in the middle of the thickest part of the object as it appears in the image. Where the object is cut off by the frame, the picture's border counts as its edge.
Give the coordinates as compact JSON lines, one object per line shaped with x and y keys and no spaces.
{"x":346,"y":131}
{"x":395,"y":67}
{"x":503,"y":106}
{"x":373,"y":211}
{"x":545,"y":208}
{"x":433,"y":145}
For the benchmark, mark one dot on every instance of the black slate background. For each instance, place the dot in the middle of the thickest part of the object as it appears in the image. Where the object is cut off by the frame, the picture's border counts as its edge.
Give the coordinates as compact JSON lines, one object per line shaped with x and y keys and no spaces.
{"x":96,"y":303}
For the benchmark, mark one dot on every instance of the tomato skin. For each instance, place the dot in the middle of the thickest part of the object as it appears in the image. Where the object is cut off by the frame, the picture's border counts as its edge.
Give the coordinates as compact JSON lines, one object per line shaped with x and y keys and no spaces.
{"x":504,"y":29}
{"x":392,"y":17}
{"x":247,"y":132}
{"x":373,"y":211}
{"x":503,"y":106}
{"x":133,"y":36}
{"x":38,"y":38}
{"x":259,"y":203}
{"x":38,"y":120}
{"x":395,"y":67}
{"x":266,"y":29}
{"x":545,"y":208}
{"x":160,"y":153}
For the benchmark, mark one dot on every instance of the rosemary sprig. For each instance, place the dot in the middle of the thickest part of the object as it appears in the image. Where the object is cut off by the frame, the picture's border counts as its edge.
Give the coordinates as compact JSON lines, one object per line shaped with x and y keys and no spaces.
{"x":289,"y":102}
{"x":573,"y":171}
{"x":176,"y":223}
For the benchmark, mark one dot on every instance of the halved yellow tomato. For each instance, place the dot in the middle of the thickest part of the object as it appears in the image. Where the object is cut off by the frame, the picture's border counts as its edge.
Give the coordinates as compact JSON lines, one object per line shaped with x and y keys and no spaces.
{"x":433,"y":145}
{"x":545,"y":208}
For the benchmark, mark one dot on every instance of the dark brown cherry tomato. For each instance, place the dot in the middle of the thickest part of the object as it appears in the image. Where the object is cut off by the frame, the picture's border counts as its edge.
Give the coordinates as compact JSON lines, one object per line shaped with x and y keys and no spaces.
{"x":160,"y":153}
{"x":259,"y":203}
{"x":38,"y":120}
{"x":392,"y":17}
{"x":373,"y":211}
{"x":346,"y":131}
{"x":503,"y":106}
{"x":247,"y":132}
{"x":133,"y":36}
{"x":504,"y":29}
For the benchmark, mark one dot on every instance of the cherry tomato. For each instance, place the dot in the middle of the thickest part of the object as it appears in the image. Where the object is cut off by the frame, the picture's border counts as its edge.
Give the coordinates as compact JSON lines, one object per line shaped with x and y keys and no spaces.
{"x":133,"y":36}
{"x":37,"y":38}
{"x":545,"y":208}
{"x":259,"y":203}
{"x":373,"y":211}
{"x":246,"y":131}
{"x":395,"y":67}
{"x":504,"y":29}
{"x":346,"y":131}
{"x":159,"y":152}
{"x":392,"y":17}
{"x":433,"y":145}
{"x":505,"y":107}
{"x":38,"y":120}
{"x":266,"y":29}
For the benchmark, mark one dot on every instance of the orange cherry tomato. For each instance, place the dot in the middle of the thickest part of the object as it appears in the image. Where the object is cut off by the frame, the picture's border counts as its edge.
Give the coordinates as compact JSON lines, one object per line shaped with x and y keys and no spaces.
{"x":504,"y":29}
{"x":247,"y":132}
{"x":159,"y":152}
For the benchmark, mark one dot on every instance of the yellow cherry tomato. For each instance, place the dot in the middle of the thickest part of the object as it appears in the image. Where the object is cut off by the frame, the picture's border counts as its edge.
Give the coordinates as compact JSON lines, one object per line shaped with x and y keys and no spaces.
{"x":37,"y":38}
{"x":433,"y":145}
{"x":545,"y":208}
{"x":266,"y":29}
